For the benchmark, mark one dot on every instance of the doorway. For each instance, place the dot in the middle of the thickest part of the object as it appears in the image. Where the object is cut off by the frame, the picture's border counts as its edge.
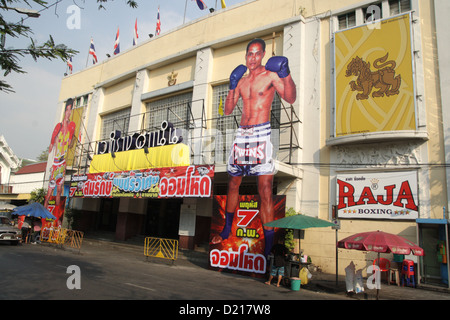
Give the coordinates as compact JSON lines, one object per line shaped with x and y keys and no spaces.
{"x":107,"y":217}
{"x":163,"y":218}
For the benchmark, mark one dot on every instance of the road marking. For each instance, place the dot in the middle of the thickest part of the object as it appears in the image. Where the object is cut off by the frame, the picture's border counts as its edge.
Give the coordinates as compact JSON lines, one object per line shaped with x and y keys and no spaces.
{"x":134,"y":285}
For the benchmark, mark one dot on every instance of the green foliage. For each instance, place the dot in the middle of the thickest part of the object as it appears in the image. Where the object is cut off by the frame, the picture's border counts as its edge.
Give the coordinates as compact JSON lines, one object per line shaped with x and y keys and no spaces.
{"x":289,"y":235}
{"x":38,"y":195}
{"x":72,"y":217}
{"x":132,"y":4}
{"x":10,"y":57}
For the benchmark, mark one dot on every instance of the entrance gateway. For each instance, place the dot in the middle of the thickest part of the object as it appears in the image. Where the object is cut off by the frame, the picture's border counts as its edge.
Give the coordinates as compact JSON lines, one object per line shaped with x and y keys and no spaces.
{"x":139,"y":207}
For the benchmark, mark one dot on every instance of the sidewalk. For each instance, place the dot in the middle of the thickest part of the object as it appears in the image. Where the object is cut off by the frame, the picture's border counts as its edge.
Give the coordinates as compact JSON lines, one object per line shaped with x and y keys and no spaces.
{"x":320,"y":282}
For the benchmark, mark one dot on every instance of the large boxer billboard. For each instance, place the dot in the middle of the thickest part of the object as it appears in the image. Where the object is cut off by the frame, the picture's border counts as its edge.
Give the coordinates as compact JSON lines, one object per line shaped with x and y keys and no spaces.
{"x":251,"y":153}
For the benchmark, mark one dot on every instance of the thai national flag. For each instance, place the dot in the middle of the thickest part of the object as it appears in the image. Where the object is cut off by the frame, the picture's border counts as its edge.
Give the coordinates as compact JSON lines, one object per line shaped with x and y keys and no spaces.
{"x":158,"y":24}
{"x":136,"y":36}
{"x":201,"y":4}
{"x":92,"y":51}
{"x":117,"y":43}
{"x":70,"y":65}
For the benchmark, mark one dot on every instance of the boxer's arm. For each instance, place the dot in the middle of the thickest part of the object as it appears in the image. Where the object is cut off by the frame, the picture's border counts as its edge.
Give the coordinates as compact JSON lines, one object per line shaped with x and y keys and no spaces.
{"x":54,"y":135}
{"x":233,"y":95}
{"x":284,"y":84}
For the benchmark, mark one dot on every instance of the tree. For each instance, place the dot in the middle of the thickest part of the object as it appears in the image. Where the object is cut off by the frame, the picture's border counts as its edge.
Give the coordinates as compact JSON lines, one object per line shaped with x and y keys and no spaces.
{"x":43,"y":156}
{"x":10,"y":57}
{"x":37,"y":195}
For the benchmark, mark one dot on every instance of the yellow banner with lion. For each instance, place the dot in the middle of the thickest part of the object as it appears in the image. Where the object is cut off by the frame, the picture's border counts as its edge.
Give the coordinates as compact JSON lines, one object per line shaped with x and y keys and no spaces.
{"x":374,"y":77}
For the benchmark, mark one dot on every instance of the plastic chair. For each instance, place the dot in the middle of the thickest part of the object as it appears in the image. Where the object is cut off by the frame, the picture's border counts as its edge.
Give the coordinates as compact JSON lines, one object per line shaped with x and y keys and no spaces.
{"x":394,"y":276}
{"x":408,"y":273}
{"x":384,"y":265}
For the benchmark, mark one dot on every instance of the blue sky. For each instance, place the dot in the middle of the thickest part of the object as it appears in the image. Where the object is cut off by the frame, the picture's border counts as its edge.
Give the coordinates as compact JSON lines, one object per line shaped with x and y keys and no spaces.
{"x":27,"y":117}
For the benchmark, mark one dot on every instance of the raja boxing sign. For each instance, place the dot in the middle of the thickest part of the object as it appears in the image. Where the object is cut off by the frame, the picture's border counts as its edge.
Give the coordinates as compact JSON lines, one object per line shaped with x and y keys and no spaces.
{"x":171,"y":182}
{"x":389,"y":195}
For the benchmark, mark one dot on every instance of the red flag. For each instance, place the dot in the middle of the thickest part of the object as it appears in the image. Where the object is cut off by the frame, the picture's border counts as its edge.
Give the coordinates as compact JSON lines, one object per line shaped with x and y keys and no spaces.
{"x":158,"y":24}
{"x":92,"y":52}
{"x":136,"y":36}
{"x":70,"y":65}
{"x":117,"y":43}
{"x":201,"y":4}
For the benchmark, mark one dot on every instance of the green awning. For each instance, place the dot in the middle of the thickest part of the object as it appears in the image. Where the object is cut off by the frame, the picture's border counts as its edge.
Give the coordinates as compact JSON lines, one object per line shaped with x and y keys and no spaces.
{"x":299,"y":221}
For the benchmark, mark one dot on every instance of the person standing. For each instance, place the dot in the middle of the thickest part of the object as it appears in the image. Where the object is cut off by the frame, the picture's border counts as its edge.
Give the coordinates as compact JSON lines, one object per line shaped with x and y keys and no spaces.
{"x":279,"y":256}
{"x":26,"y":227}
{"x":37,"y":225}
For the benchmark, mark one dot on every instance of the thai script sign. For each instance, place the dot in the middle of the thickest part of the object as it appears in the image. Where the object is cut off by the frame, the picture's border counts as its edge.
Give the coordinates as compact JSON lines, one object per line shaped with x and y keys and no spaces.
{"x":191,"y":181}
{"x":116,"y":143}
{"x":389,"y":195}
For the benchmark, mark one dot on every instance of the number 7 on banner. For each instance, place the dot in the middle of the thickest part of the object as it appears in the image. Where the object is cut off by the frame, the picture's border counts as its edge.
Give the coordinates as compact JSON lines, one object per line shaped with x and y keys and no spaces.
{"x":246,"y":216}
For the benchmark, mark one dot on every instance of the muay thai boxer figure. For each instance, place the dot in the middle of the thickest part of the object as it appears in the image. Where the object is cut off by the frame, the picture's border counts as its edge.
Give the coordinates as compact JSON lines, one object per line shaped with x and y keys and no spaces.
{"x":251,"y":153}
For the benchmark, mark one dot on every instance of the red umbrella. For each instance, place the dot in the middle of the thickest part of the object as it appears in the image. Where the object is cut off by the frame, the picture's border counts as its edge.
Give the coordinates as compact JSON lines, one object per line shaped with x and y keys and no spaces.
{"x":380,"y":241}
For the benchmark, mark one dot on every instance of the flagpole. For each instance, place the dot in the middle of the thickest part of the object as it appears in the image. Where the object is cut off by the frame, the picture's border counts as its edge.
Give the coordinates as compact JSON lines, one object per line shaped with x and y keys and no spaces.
{"x":87,"y":60}
{"x":185,"y":6}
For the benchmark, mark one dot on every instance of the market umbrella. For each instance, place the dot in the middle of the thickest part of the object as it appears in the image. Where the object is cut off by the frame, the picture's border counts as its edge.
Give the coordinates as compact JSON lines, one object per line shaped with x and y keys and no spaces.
{"x":34,"y":209}
{"x":299,"y":221}
{"x":380,"y":242}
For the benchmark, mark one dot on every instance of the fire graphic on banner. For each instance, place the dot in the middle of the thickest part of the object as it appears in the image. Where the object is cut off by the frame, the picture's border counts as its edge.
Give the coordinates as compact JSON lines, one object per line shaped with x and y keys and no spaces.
{"x":243,"y":250}
{"x":57,"y":211}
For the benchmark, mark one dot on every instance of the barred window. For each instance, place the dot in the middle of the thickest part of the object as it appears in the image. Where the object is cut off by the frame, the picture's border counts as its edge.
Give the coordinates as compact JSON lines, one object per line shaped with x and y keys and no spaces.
{"x":399,"y":6}
{"x":228,"y":122}
{"x":347,"y":20}
{"x":372,"y":12}
{"x":81,"y":101}
{"x":175,"y":109}
{"x":119,"y":120}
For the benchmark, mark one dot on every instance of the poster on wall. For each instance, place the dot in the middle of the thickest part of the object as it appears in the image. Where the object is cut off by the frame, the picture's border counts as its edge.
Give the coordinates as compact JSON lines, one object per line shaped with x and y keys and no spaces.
{"x":170,"y":182}
{"x":64,"y":138}
{"x":57,"y":210}
{"x":383,"y":195}
{"x":374,"y":83}
{"x":243,"y":249}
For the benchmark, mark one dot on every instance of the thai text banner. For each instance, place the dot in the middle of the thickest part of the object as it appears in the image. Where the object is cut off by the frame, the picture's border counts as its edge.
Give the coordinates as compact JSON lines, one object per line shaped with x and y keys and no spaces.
{"x":173,"y":182}
{"x":389,"y":195}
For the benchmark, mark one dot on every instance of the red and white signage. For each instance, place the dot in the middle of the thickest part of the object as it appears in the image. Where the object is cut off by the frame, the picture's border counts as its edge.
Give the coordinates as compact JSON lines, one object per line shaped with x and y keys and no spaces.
{"x":387,"y":195}
{"x":170,"y":182}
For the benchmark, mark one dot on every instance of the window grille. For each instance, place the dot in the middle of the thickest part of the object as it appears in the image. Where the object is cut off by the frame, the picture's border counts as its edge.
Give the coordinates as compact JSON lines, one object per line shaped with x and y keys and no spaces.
{"x":119,"y":120}
{"x":175,"y":109}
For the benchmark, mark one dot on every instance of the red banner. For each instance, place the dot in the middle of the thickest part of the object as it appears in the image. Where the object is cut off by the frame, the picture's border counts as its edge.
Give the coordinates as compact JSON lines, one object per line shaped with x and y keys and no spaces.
{"x":57,"y":211}
{"x":243,"y":250}
{"x":172,"y":182}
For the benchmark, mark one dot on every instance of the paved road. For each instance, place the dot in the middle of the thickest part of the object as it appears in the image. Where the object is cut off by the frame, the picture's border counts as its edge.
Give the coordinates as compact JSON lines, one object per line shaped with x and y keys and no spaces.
{"x":41,"y":272}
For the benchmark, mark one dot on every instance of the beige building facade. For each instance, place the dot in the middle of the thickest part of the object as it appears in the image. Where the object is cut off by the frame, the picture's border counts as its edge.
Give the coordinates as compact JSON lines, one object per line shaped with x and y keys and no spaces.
{"x":182,"y":76}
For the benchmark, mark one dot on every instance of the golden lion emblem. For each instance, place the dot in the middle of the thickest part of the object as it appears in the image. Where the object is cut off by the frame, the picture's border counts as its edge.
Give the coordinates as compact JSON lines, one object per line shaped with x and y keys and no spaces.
{"x":383,"y":79}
